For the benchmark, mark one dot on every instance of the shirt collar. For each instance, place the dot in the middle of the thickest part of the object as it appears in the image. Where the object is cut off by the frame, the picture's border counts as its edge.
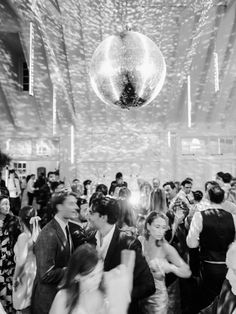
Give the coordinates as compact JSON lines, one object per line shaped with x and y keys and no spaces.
{"x":61,"y":222}
{"x":106,"y":239}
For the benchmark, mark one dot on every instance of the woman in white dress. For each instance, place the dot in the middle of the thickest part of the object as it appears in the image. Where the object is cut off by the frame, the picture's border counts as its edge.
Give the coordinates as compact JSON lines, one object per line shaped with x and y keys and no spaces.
{"x":25,"y":270}
{"x":85,"y":291}
{"x":162,"y":258}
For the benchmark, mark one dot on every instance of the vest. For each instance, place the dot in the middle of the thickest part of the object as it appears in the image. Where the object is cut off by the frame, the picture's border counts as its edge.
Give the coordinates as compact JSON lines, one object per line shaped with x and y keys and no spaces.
{"x":217,"y":234}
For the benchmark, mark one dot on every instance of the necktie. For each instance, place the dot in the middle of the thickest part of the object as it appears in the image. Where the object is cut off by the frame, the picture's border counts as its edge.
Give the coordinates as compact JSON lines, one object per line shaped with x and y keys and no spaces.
{"x":68,"y":237}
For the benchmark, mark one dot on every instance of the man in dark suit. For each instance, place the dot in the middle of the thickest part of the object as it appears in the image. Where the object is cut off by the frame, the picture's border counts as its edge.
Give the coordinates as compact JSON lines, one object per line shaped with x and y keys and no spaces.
{"x":118,"y":183}
{"x":225,"y":303}
{"x":110,"y":242}
{"x":53,"y":249}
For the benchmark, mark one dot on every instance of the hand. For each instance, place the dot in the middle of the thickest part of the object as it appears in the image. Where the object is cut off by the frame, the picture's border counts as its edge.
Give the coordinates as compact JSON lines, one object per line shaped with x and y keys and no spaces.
{"x":117,"y":290}
{"x":179,"y":216}
{"x":17,"y":281}
{"x":118,"y":284}
{"x":160,"y":264}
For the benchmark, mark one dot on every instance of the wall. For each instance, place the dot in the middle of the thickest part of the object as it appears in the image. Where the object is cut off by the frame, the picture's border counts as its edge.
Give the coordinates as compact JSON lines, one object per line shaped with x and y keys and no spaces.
{"x":98,"y":156}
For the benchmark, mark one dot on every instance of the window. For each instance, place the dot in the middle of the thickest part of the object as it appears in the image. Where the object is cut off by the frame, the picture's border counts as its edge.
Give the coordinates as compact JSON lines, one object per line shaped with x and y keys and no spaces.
{"x":20,"y":168}
{"x":227,"y":145}
{"x":191,"y":146}
{"x":221,"y":145}
{"x":25,"y":75}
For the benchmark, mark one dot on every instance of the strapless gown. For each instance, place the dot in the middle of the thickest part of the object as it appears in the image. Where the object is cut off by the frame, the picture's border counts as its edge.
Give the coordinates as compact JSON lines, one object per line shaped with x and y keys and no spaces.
{"x":158,"y":302}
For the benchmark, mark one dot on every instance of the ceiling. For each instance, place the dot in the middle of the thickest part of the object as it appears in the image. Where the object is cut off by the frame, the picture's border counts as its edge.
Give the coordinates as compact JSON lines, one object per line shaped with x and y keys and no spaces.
{"x":66,"y":33}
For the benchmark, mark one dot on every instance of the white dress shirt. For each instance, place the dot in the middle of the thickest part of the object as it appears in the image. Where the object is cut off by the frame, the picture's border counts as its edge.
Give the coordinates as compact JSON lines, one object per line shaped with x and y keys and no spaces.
{"x":102,"y":248}
{"x":197,"y":225}
{"x":13,"y":186}
{"x":62,"y":224}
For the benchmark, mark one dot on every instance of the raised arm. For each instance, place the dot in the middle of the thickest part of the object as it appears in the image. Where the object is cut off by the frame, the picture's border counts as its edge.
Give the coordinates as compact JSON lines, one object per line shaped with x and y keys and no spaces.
{"x":21,"y":252}
{"x":176,"y":263}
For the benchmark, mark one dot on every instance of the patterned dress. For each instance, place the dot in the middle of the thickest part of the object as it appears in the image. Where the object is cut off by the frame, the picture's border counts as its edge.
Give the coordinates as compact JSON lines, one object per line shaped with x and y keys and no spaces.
{"x":9,"y":232}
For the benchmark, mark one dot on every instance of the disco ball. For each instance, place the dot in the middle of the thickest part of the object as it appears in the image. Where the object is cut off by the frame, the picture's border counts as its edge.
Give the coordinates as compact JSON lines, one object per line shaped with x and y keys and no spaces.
{"x":127,"y":70}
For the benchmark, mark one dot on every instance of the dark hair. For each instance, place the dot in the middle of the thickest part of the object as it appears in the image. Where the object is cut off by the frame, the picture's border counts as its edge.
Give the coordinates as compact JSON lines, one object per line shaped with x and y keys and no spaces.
{"x":171,"y":184}
{"x":197,"y":195}
{"x":102,"y":188}
{"x":183,"y":183}
{"x":227,"y":177}
{"x":28,"y":178}
{"x":12,"y":171}
{"x":75,"y":180}
{"x":124,"y":193}
{"x":149,"y":220}
{"x":83,"y":260}
{"x":126,"y":214}
{"x":213,"y":183}
{"x":119,"y":175}
{"x":2,"y":196}
{"x":94,"y":196}
{"x":189,"y":179}
{"x":59,"y":198}
{"x":80,"y":201}
{"x":106,"y":206}
{"x":220,"y":174}
{"x":86,"y":182}
{"x":216,"y":194}
{"x":25,"y":214}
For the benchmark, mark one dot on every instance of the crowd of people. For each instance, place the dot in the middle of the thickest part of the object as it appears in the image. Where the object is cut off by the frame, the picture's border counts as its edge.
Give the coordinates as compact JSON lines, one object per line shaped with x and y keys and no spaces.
{"x":86,"y":248}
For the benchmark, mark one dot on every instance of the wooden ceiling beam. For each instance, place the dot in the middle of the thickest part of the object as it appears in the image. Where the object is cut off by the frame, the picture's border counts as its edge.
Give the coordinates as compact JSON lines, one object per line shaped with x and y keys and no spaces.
{"x":7,"y":107}
{"x":54,"y":66}
{"x":9,"y":28}
{"x":220,"y":10}
{"x":216,"y":104}
{"x":230,"y":108}
{"x":176,"y":101}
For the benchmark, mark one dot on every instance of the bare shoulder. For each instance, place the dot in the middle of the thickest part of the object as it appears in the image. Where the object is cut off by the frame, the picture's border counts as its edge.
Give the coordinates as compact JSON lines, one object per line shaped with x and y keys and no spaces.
{"x":59,"y":303}
{"x":167,"y":248}
{"x":61,"y":294}
{"x":23,"y":237}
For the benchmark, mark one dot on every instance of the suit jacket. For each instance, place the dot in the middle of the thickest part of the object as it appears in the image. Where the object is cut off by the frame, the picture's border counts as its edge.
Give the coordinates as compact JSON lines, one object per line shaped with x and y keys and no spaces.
{"x":114,"y":185}
{"x":43,"y":195}
{"x":143,"y":282}
{"x":52,"y":256}
{"x":80,"y":235}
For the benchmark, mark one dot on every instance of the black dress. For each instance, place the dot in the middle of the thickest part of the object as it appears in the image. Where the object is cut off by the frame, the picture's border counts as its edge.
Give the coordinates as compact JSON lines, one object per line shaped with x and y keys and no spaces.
{"x":9,"y":232}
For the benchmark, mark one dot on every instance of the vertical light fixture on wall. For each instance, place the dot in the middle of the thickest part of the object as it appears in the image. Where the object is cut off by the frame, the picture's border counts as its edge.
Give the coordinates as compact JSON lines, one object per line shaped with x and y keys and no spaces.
{"x":72,"y":144}
{"x":54,"y":110}
{"x":6,"y":176}
{"x":31,"y":60}
{"x":169,"y":138}
{"x":216,"y":72}
{"x":189,"y":103}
